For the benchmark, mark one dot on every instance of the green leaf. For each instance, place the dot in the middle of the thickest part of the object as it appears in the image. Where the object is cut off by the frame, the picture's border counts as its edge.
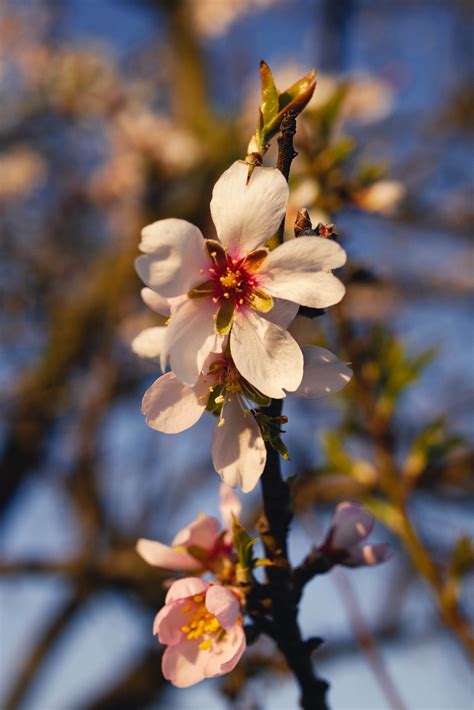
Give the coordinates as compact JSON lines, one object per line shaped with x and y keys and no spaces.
{"x":297,"y":90}
{"x":270,"y":103}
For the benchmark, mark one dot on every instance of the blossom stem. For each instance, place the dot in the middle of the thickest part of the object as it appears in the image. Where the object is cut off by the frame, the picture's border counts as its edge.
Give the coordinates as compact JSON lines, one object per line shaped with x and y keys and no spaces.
{"x":283,"y":593}
{"x":278,"y":514}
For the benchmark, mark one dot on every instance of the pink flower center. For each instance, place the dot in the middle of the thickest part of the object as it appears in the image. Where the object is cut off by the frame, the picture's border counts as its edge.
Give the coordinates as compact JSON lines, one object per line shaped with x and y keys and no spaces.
{"x":232,"y":282}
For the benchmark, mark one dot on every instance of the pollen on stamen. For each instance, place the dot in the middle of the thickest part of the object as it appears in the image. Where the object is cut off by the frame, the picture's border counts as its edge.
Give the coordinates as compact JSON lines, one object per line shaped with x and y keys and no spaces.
{"x":221,"y":422}
{"x":214,"y":299}
{"x":204,"y":645}
{"x":198,"y":598}
{"x":219,"y":399}
{"x":213,"y":254}
{"x":241,"y":301}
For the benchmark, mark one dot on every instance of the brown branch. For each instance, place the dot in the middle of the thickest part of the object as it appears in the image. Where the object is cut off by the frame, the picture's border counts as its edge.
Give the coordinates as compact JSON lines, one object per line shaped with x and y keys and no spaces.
{"x":275,"y":525}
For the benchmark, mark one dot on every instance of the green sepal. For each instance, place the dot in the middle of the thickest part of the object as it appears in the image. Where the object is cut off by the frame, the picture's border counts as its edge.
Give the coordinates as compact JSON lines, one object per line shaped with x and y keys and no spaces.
{"x":243,"y":545}
{"x":204,"y":290}
{"x":217,"y":252}
{"x":213,"y":406}
{"x":254,"y":260}
{"x":198,"y":552}
{"x":225,"y":316}
{"x":260,"y":301}
{"x":270,"y":428}
{"x":250,"y":392}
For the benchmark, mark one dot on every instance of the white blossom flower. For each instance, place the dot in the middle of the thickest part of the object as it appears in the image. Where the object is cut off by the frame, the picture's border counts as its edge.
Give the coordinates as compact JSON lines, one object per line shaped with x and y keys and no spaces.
{"x":229,"y":286}
{"x":238,"y":448}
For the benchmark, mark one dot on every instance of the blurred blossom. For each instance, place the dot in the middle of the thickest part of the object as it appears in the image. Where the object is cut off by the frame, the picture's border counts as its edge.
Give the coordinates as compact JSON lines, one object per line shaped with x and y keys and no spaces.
{"x":22,"y":169}
{"x":156,"y":136}
{"x":384,"y":197}
{"x":350,"y":526}
{"x":213,"y":18}
{"x":82,"y":81}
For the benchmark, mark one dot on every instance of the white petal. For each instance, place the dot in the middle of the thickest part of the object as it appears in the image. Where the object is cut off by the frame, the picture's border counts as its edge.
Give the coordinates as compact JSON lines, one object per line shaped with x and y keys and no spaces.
{"x":265,"y":354}
{"x":283,"y":312}
{"x":238,"y":450}
{"x":155,"y":302}
{"x":175,"y":254}
{"x":323,"y":373}
{"x":190,"y":337}
{"x":296,"y":270}
{"x":171,"y":407}
{"x":149,"y":343}
{"x":245,"y":216}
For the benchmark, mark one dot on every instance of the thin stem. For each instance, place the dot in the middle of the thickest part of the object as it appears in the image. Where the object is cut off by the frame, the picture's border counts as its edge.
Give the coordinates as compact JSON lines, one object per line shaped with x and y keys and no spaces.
{"x":274,"y":531}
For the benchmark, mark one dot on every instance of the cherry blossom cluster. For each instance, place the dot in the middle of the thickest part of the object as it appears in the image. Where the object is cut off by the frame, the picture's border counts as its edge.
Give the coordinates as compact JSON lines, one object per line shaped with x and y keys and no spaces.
{"x":201,"y":623}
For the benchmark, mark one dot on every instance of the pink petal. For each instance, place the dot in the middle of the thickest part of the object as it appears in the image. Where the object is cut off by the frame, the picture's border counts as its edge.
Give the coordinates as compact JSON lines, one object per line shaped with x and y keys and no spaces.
{"x":175,"y":254}
{"x":246,"y":215}
{"x":187,"y":587}
{"x":202,"y":532}
{"x":368,"y":555}
{"x":350,"y":525}
{"x":225,"y":655}
{"x":171,"y":407}
{"x":265,"y":354}
{"x":168,"y":623}
{"x":159,"y":555}
{"x":229,"y":504}
{"x":238,"y":450}
{"x":190,"y":337}
{"x":183,"y":664}
{"x":323,"y":373}
{"x":223,"y":604}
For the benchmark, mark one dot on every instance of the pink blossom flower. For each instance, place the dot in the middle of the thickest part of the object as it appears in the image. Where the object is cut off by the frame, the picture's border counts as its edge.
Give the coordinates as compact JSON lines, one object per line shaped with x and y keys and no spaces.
{"x":228,"y":286}
{"x":204,"y":536}
{"x":350,"y":526}
{"x":201,"y":625}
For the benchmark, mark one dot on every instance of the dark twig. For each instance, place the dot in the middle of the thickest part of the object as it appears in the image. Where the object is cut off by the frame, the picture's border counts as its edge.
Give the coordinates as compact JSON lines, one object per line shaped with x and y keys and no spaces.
{"x":275,"y":525}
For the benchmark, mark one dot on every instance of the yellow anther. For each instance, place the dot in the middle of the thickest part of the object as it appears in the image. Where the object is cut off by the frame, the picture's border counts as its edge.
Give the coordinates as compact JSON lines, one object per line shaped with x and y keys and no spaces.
{"x":185,"y":629}
{"x":204,"y":645}
{"x":241,"y":301}
{"x":213,"y":254}
{"x":219,"y":399}
{"x":214,"y":299}
{"x":226,"y":294}
{"x":198,"y":598}
{"x":187,"y":608}
{"x":221,"y":422}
